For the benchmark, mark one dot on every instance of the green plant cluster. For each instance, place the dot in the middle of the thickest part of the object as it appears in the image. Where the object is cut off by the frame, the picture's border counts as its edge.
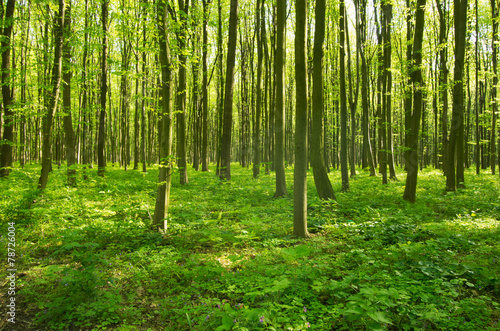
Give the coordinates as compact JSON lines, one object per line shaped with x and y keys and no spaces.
{"x":91,"y":260}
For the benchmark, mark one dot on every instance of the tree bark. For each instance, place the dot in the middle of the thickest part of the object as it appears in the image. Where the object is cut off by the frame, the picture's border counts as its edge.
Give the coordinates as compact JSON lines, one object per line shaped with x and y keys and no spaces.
{"x":7,"y":92}
{"x":164,"y":124}
{"x":204,"y":143}
{"x":301,"y":121}
{"x":52,"y":98}
{"x":279,"y":60}
{"x":68,"y":122}
{"x":343,"y":102}
{"x":367,"y":159}
{"x":494,"y":105}
{"x":228,"y":93}
{"x":412,"y":155}
{"x":321,"y":180}
{"x":101,"y":139}
{"x":258,"y":93}
{"x":456,"y":133}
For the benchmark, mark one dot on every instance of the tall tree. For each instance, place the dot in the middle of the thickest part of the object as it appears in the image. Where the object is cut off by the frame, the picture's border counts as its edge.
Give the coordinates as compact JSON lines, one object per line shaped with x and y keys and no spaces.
{"x":7,"y":89}
{"x":389,"y":145}
{"x":182,"y":92}
{"x":417,"y":81}
{"x":165,"y":121}
{"x":101,"y":140}
{"x":301,"y":120}
{"x":494,"y":105}
{"x":204,"y":143}
{"x":258,"y":91}
{"x":66,"y":76}
{"x":457,"y":117}
{"x":279,"y":60}
{"x":367,"y":154}
{"x":343,"y":101}
{"x":321,"y":180}
{"x":53,"y":97}
{"x":443,"y":79}
{"x":228,"y":93}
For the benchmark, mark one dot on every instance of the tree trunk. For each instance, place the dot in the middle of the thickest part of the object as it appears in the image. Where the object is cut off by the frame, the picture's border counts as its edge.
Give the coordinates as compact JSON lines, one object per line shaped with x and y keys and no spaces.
{"x":279,"y":60}
{"x":53,"y":97}
{"x":367,"y":156}
{"x":301,"y":121}
{"x":457,"y":126}
{"x":258,"y":92}
{"x":412,"y":156}
{"x":164,"y":124}
{"x":204,"y":143}
{"x":443,"y":80}
{"x":228,"y":94}
{"x":101,"y":140}
{"x":7,"y":92}
{"x":181,"y":94}
{"x":68,"y":122}
{"x":387,"y":9}
{"x":343,"y":102}
{"x":321,"y":180}
{"x":494,"y":105}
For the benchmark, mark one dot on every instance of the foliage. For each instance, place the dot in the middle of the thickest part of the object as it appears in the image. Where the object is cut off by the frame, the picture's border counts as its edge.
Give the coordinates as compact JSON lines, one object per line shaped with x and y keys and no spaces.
{"x":90,"y":259}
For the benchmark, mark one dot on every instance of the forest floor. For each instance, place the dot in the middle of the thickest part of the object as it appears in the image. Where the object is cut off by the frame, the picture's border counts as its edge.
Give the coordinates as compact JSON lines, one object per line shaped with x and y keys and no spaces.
{"x":87,"y":257}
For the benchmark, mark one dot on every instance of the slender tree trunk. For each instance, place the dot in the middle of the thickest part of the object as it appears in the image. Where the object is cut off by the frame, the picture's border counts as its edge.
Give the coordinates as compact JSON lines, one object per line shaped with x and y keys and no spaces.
{"x":301,"y":121}
{"x":367,"y":158}
{"x":143,"y":88}
{"x":343,"y":102}
{"x":387,"y":9}
{"x":494,"y":104}
{"x":279,"y":60}
{"x":68,"y":122}
{"x":101,"y":140}
{"x":228,"y":94}
{"x":321,"y":180}
{"x":412,"y":155}
{"x":476,"y":105}
{"x":457,"y":126}
{"x":258,"y":93}
{"x":443,"y":80}
{"x":7,"y":91}
{"x":181,"y":94}
{"x":52,"y":98}
{"x":164,"y":124}
{"x":204,"y":143}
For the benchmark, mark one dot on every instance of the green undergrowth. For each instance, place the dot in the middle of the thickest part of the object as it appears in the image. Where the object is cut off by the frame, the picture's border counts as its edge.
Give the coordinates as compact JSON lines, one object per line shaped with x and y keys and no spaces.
{"x":88,"y":258}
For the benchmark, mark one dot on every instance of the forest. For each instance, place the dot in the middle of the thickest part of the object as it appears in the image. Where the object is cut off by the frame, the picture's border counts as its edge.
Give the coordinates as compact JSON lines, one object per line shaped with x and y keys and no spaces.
{"x":249,"y":165}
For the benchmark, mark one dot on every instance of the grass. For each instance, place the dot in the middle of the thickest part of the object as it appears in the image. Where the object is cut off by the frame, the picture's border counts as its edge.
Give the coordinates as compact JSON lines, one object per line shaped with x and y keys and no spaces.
{"x":87,"y":257}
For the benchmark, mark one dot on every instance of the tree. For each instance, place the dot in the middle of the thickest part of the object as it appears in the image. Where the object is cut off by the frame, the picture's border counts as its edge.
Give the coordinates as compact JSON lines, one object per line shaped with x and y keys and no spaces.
{"x":300,"y":170}
{"x":181,"y":92}
{"x":367,"y":156}
{"x":165,"y":121}
{"x":53,"y":97}
{"x":258,"y":90}
{"x":204,"y":143}
{"x":457,"y":117}
{"x":228,"y":93}
{"x":7,"y":90}
{"x":66,"y":76}
{"x":443,"y":79}
{"x":494,"y":45}
{"x":101,"y":140}
{"x":417,"y":81}
{"x":343,"y":101}
{"x":321,"y":180}
{"x":387,"y":87}
{"x":279,"y":60}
